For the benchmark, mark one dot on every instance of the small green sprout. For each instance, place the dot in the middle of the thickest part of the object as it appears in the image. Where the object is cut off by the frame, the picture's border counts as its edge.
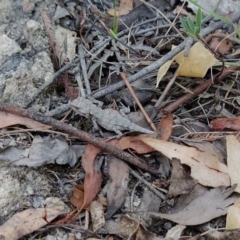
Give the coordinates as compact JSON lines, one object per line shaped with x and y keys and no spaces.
{"x":192,"y":29}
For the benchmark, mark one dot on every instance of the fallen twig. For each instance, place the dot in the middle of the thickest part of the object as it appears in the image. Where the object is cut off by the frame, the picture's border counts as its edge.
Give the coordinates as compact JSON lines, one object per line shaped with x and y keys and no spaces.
{"x":137,"y":101}
{"x":149,"y":185}
{"x":199,"y":89}
{"x":79,"y":133}
{"x":167,"y":88}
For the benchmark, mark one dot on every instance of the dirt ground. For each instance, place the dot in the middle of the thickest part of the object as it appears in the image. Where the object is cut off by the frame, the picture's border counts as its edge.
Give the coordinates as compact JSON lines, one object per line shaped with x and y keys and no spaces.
{"x":115,"y":124}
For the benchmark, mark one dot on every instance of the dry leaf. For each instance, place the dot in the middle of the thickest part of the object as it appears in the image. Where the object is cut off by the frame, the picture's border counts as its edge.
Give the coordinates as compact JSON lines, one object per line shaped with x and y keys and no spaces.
{"x":119,"y":173}
{"x":8,"y":119}
{"x":93,"y":177}
{"x":233,"y":160}
{"x":163,"y":70}
{"x":209,"y":147}
{"x":226,"y":123}
{"x":130,"y":229}
{"x":97,"y":215}
{"x":205,"y":167}
{"x":233,"y":216}
{"x":63,"y":38}
{"x":212,"y":204}
{"x":175,"y":232}
{"x":185,"y":199}
{"x":43,"y":151}
{"x":220,"y":43}
{"x":180,"y":182}
{"x":27,"y":222}
{"x":196,"y":64}
{"x":132,"y":142}
{"x":77,"y":198}
{"x":165,"y":126}
{"x":125,"y":7}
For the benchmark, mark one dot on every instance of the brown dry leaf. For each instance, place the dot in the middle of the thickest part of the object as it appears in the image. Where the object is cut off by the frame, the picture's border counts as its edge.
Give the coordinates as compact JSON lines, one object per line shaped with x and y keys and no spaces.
{"x":125,"y":7}
{"x":93,"y":177}
{"x":233,"y":216}
{"x":220,"y":44}
{"x":180,"y":182}
{"x":211,"y":204}
{"x":8,"y":119}
{"x":119,"y":174}
{"x":165,"y":126}
{"x":205,"y":167}
{"x":132,"y":142}
{"x":27,"y":222}
{"x":77,"y":198}
{"x":233,"y":160}
{"x":226,"y":123}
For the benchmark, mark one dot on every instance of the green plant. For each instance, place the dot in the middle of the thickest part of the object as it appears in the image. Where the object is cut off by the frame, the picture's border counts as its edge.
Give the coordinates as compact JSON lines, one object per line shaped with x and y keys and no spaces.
{"x":193,"y":29}
{"x":115,"y":19}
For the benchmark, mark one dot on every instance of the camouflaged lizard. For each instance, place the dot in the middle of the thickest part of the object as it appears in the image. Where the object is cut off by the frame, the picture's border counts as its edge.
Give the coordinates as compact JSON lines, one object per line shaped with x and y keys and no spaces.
{"x":109,"y":119}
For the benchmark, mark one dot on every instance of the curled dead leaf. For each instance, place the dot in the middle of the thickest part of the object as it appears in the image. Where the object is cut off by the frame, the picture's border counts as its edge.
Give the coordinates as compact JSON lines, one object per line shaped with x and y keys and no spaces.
{"x":205,"y":167}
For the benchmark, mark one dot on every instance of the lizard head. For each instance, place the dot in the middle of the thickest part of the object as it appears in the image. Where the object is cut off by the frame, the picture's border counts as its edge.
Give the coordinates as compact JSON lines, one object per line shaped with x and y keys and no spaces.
{"x":81,"y":106}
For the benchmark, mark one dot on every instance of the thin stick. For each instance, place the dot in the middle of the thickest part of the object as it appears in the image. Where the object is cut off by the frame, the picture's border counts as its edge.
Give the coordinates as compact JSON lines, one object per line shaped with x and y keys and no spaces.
{"x":199,"y":89}
{"x":80,"y":134}
{"x":171,"y":82}
{"x":84,"y":68}
{"x":137,"y":101}
{"x":149,"y":185}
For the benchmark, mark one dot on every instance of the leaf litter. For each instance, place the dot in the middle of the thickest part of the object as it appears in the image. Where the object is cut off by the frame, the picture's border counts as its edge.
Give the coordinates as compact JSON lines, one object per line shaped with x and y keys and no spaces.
{"x":205,"y":167}
{"x":195,"y":181}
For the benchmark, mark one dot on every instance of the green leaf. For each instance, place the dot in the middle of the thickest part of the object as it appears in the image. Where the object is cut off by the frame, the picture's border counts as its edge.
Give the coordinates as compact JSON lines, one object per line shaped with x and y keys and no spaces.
{"x":190,"y":24}
{"x":185,"y":25}
{"x":199,"y":18}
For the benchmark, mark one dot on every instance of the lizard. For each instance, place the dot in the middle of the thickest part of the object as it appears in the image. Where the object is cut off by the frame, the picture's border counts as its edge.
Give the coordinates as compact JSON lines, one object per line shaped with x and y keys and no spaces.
{"x":109,"y":119}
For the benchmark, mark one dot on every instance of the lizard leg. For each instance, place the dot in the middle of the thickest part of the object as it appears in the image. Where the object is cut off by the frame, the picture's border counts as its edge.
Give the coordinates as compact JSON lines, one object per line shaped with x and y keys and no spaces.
{"x":118,"y":132}
{"x":96,"y":128}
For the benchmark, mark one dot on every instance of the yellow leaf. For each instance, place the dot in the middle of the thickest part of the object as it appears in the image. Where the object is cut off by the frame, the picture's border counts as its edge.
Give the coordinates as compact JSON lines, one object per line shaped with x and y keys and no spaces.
{"x":163,"y":70}
{"x":197,"y":63}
